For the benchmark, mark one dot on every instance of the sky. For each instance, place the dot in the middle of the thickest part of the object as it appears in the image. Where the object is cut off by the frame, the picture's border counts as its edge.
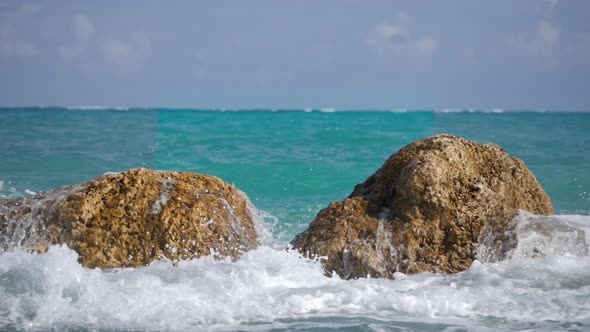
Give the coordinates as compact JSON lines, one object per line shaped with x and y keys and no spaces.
{"x":346,"y":54}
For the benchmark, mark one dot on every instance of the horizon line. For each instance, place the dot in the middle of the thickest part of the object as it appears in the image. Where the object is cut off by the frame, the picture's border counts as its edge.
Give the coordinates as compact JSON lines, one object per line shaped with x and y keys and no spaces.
{"x":294,"y":109}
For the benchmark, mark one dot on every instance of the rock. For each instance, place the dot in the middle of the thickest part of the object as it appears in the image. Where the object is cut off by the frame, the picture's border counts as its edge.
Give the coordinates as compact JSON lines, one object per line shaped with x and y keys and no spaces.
{"x":427,"y":209}
{"x":133,"y":218}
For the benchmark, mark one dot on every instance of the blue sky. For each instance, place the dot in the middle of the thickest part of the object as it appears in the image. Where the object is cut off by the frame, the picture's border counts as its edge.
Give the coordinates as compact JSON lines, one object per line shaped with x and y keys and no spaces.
{"x":348,"y":54}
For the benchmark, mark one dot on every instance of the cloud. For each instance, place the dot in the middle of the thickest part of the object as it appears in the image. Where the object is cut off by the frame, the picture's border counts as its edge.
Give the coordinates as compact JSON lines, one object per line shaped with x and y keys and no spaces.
{"x":126,"y":53}
{"x":541,"y":43}
{"x":395,"y":39}
{"x":12,"y":47}
{"x":388,"y":38}
{"x":84,"y":31}
{"x":113,"y":53}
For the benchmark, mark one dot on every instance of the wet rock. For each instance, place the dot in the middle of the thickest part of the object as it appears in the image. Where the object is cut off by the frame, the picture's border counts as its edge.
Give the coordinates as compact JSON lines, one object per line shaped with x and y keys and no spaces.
{"x":133,"y":218}
{"x":428,"y":208}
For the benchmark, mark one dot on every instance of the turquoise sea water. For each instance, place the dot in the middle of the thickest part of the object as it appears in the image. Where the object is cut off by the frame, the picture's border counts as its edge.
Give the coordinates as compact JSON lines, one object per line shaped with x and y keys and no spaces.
{"x":291,"y":164}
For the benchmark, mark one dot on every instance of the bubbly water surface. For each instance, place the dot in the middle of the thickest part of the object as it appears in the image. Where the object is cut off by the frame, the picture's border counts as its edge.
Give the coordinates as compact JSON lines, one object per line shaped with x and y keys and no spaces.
{"x":545,"y":285}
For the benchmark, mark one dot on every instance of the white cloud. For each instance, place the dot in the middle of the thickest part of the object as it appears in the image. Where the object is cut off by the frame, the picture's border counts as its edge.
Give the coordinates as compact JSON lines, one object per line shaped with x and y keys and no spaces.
{"x":395,"y":39}
{"x":541,"y":43}
{"x":84,"y":31}
{"x":545,"y":45}
{"x":388,"y":38}
{"x":120,"y":55}
{"x":126,"y":53}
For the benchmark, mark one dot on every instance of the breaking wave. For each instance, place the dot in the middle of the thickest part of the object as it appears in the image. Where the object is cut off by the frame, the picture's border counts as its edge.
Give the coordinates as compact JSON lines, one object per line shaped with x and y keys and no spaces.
{"x":543,"y":285}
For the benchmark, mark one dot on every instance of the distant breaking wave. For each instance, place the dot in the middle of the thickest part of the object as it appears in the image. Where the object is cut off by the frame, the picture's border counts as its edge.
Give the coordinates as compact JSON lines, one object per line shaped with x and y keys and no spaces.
{"x":276,"y":110}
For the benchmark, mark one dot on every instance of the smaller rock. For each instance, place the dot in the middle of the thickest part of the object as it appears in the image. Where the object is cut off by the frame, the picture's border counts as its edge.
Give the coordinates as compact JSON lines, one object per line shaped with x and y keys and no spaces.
{"x":133,"y":218}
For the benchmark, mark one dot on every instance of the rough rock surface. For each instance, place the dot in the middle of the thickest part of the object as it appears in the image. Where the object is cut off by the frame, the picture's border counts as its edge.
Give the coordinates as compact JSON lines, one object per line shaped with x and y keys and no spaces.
{"x":428,"y":208}
{"x":133,"y":218}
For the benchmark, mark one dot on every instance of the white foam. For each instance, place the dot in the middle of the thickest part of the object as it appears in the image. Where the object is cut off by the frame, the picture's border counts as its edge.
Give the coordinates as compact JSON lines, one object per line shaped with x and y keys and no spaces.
{"x":98,"y":108}
{"x":327,"y":110}
{"x":86,"y":108}
{"x":493,"y":110}
{"x":274,"y":288}
{"x":163,"y":197}
{"x":449,"y":110}
{"x":469,"y":110}
{"x":8,"y":191}
{"x":541,"y":236}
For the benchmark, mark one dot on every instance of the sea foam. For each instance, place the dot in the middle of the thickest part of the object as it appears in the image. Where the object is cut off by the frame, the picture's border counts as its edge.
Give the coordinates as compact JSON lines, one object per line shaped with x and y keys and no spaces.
{"x":271,"y":287}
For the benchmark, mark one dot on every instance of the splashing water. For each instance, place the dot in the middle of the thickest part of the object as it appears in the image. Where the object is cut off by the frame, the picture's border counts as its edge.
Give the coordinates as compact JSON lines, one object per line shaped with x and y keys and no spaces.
{"x":545,"y":284}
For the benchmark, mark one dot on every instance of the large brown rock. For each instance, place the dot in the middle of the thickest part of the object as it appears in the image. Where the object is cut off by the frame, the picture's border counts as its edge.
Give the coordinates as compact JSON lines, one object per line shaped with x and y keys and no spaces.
{"x":426,"y":209}
{"x":133,"y":218}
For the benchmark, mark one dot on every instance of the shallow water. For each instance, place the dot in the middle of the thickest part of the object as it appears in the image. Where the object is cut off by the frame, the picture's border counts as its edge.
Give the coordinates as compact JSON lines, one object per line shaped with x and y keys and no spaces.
{"x":291,"y":165}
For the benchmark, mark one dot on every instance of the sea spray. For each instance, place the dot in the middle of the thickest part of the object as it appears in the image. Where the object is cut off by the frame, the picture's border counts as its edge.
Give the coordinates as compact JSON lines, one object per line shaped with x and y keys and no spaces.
{"x":271,"y":287}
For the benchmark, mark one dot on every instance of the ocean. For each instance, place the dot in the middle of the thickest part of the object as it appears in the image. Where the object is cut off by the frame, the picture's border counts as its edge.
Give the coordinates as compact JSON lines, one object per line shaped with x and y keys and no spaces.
{"x":292,"y":164}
